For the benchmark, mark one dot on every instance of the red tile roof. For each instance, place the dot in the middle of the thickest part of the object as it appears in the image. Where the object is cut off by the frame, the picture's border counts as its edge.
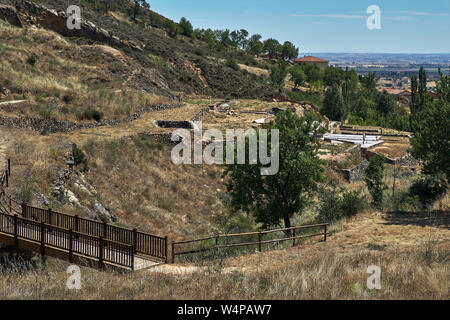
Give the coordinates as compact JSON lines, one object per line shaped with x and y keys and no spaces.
{"x":310,"y":59}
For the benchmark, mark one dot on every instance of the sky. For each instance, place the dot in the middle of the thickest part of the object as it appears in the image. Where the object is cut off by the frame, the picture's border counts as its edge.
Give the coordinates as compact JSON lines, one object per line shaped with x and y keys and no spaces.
{"x":407,"y":26}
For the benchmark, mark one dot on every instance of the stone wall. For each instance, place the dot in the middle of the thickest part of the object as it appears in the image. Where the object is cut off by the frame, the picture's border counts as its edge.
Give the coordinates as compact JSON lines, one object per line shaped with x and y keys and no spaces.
{"x":54,"y":126}
{"x":356,"y":173}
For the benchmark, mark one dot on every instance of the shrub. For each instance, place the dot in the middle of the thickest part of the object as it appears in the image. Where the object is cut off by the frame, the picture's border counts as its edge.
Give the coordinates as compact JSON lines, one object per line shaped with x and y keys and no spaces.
{"x":231,"y":63}
{"x":31,"y":60}
{"x":79,"y":158}
{"x":336,"y":204}
{"x":91,"y":114}
{"x":429,"y":189}
{"x":374,"y":179}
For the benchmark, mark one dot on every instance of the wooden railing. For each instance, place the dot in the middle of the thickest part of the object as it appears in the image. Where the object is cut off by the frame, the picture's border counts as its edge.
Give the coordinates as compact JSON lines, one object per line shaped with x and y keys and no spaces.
{"x":144,"y":243}
{"x":71,"y":241}
{"x":291,"y":231}
{"x":113,"y":236}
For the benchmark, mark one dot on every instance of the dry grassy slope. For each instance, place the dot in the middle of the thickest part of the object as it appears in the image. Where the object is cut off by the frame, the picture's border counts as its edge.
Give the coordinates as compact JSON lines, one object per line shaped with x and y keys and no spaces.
{"x":182,"y":64}
{"x":67,"y":79}
{"x":414,"y":265}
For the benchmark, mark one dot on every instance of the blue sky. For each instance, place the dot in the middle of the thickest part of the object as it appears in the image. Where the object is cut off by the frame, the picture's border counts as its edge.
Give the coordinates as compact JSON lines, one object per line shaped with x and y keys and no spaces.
{"x":407,"y":26}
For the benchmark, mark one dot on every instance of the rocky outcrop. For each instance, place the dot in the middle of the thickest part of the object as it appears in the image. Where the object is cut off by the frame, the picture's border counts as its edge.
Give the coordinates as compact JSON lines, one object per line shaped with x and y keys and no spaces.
{"x":35,"y":14}
{"x":9,"y":14}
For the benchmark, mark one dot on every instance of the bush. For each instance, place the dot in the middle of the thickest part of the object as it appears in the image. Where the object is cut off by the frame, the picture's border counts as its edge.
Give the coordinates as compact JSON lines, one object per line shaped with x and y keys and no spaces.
{"x":31,"y":60}
{"x":79,"y":158}
{"x":231,"y":63}
{"x":374,"y":179}
{"x":91,"y":114}
{"x":429,"y":189}
{"x":336,"y":204}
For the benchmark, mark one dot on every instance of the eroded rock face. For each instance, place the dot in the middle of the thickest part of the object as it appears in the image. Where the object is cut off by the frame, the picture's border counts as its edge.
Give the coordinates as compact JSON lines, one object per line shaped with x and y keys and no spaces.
{"x":102,"y":213}
{"x":35,"y":14}
{"x":9,"y":14}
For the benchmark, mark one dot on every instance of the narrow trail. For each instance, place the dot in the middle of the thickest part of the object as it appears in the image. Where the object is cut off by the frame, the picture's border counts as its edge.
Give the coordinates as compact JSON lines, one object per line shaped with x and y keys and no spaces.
{"x":5,"y":140}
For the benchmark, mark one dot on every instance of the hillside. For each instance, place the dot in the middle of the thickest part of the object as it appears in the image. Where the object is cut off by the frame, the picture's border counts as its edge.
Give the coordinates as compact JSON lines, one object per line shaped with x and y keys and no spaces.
{"x":87,"y":116}
{"x":113,"y":51}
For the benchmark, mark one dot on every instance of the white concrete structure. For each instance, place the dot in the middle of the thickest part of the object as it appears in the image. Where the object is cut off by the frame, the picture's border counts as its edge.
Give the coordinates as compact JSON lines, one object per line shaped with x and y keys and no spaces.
{"x":365,"y":141}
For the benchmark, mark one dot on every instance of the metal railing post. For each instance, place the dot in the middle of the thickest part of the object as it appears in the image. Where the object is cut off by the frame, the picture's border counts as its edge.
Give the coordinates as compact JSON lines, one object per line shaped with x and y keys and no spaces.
{"x":100,"y":252}
{"x":324,"y":232}
{"x":16,"y":239}
{"x":165,"y":249}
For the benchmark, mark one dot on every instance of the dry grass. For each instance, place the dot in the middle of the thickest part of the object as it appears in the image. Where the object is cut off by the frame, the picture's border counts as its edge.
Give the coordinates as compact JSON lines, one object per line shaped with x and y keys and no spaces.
{"x":62,"y":80}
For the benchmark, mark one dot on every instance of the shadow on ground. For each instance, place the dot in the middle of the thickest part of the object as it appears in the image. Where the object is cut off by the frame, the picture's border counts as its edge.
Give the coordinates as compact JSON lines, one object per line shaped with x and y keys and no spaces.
{"x":436,"y":218}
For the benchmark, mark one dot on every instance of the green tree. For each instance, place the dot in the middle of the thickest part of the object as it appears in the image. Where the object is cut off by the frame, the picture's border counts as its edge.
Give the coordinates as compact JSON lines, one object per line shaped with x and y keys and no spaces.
{"x":374,"y":179}
{"x":431,"y":140}
{"x":186,"y":27}
{"x":289,"y":51}
{"x":422,"y":88}
{"x":385,"y":103}
{"x":298,"y":76}
{"x":278,"y":74}
{"x":333,"y":104}
{"x":138,"y":4}
{"x":333,"y":76}
{"x":272,"y":48}
{"x":443,"y":86}
{"x":276,"y":198}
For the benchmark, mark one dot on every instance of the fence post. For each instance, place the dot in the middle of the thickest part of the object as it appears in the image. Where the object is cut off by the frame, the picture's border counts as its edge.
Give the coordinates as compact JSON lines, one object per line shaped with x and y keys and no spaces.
{"x":42,"y":238}
{"x":10,"y":204}
{"x":16,"y":239}
{"x":76,"y":223}
{"x":24,"y":210}
{"x":132,"y":256}
{"x":165,"y":249}
{"x":70,"y":246}
{"x":259,"y":241}
{"x":135,"y":239}
{"x":293,"y":235}
{"x":173,"y":252}
{"x":9,"y":167}
{"x":7,"y":179}
{"x":324,"y":232}
{"x":104,"y":230}
{"x":100,"y":252}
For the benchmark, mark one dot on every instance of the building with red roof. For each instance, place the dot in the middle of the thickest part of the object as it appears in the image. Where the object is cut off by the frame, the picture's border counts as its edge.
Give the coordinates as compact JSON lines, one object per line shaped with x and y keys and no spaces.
{"x":321,"y":63}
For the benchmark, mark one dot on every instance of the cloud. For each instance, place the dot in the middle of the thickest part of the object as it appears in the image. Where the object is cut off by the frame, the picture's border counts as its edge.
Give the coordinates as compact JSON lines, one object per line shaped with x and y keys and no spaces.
{"x":334,"y":16}
{"x":420,"y":13}
{"x":404,"y":18}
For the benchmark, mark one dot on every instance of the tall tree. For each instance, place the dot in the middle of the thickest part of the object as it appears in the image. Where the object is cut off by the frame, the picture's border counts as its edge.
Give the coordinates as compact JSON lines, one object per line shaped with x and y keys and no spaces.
{"x":333,"y":104}
{"x":422,"y":87}
{"x":277,"y":198}
{"x":431,"y":140}
{"x":272,"y":47}
{"x":374,"y":179}
{"x":289,"y":51}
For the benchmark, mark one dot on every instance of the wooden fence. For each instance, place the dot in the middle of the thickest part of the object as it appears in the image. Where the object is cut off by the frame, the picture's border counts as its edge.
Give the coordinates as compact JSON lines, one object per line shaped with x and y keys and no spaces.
{"x":91,"y":230}
{"x":73,"y":242}
{"x":291,"y":231}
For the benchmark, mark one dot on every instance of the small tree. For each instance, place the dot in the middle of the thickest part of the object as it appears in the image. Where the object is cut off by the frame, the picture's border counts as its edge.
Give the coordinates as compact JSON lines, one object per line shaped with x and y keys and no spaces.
{"x":186,"y":28}
{"x":276,"y":198}
{"x":79,"y":157}
{"x":289,"y":51}
{"x":278,"y":74}
{"x":298,"y":76}
{"x":374,"y":179}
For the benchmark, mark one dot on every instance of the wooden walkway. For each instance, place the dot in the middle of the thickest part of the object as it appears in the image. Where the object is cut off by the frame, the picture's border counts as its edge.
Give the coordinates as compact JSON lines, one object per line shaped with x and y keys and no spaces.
{"x":73,"y":238}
